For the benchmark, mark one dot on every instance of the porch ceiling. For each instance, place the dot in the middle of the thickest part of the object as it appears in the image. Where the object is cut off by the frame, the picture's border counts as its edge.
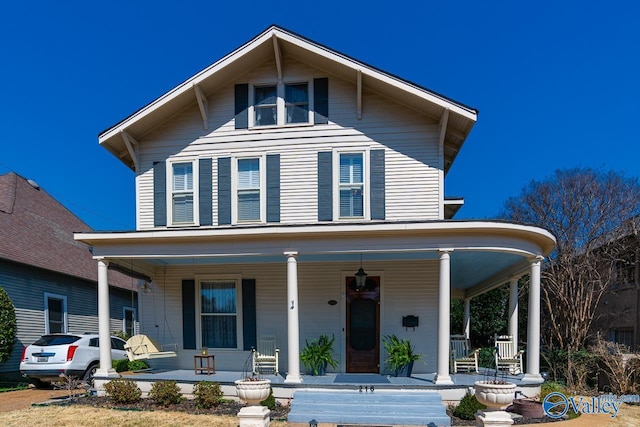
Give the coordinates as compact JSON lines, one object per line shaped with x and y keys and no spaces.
{"x":483,"y":254}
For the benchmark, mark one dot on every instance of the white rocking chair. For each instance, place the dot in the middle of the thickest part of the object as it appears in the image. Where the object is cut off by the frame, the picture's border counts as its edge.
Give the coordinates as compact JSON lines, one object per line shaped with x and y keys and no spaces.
{"x":265,"y":357}
{"x":462,"y":357}
{"x":507,"y":358}
{"x":142,"y":347}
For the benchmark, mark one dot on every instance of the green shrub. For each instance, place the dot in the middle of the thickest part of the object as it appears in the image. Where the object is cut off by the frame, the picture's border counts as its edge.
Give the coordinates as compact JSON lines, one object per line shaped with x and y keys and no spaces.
{"x":121,"y":334}
{"x":468,"y":407}
{"x":137,"y":365}
{"x":486,"y":358}
{"x":123,"y":391}
{"x":548,"y":387}
{"x":269,"y":402}
{"x":8,"y":326}
{"x":165,"y":393}
{"x":126,"y":365}
{"x":207,"y":394}
{"x":121,"y":365}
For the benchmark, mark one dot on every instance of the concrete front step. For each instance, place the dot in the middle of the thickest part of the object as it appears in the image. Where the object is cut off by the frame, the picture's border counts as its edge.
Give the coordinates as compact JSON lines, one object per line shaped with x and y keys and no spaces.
{"x":381,"y":407}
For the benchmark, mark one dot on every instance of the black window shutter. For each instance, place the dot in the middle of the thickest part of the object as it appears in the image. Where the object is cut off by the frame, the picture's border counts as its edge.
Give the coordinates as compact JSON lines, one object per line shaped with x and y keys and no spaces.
{"x":377,"y":184}
{"x":249,"y":313}
{"x":159,"y":194}
{"x":206,"y":191}
{"x":325,"y":186}
{"x":224,"y":190}
{"x":321,"y":100}
{"x":242,"y":106}
{"x":189,"y":314}
{"x":273,"y":188}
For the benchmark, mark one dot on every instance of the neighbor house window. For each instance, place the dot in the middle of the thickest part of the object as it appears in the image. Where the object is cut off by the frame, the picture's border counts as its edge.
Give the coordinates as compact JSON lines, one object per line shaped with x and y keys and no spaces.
{"x":622,"y":336}
{"x":249,"y":206}
{"x":129,"y":321}
{"x":265,"y":105}
{"x":182,"y":193}
{"x":296,"y":98}
{"x":219,"y":313}
{"x":625,"y":272}
{"x":55,"y":311}
{"x":351,"y":184}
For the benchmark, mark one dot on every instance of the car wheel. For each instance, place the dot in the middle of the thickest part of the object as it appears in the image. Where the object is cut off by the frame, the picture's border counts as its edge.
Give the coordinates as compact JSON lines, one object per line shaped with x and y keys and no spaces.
{"x":39,"y":384}
{"x":88,"y":375}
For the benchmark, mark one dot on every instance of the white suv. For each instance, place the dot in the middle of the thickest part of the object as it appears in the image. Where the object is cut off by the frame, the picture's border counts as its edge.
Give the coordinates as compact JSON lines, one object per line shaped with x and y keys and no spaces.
{"x":50,"y":356}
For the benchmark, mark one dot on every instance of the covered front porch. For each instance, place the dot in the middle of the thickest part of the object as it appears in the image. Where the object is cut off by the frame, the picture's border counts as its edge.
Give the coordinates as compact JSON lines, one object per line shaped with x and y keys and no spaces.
{"x":299,"y":277}
{"x":365,"y":383}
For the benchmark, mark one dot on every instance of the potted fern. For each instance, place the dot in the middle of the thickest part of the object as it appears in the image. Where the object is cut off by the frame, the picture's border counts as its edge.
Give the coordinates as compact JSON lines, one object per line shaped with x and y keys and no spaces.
{"x":318,"y":354}
{"x":400,"y":355}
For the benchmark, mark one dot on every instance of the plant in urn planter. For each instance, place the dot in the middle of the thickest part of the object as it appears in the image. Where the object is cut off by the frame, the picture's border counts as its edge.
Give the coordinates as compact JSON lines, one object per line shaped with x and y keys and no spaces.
{"x":253,"y":389}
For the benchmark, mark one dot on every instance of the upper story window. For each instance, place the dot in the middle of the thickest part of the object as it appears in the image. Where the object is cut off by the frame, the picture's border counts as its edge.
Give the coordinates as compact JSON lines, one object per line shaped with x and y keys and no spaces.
{"x":351,"y":184}
{"x":265,"y":106}
{"x":183,"y":197}
{"x":277,"y":105}
{"x":296,"y":98}
{"x":249,"y":190}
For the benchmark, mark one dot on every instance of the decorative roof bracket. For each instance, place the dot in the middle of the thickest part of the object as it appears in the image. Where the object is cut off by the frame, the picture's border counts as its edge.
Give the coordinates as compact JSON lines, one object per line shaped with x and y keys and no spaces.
{"x":132,"y":147}
{"x":278,"y":56}
{"x":203,"y":104}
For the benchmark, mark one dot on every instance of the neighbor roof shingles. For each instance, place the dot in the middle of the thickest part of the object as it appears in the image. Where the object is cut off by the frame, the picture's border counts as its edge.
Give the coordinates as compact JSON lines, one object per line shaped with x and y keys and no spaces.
{"x":35,"y":229}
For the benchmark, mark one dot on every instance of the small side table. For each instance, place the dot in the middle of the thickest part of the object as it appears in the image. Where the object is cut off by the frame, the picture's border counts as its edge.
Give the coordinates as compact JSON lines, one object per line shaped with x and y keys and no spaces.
{"x":204,"y":363}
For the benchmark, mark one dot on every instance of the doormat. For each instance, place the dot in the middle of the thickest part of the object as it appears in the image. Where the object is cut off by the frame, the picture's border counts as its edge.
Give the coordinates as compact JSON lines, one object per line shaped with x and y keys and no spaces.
{"x":363,"y":379}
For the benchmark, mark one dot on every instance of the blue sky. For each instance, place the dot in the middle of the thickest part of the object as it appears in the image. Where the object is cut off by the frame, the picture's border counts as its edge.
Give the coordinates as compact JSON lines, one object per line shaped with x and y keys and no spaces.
{"x":556,"y":83}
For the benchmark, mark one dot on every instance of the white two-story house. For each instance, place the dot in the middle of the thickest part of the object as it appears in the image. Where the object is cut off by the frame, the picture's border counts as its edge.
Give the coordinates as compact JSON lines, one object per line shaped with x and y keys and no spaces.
{"x":267,"y":180}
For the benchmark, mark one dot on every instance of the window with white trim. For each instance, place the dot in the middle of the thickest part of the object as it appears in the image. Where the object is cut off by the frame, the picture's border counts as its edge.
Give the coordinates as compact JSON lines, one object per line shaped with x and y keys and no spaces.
{"x":55,"y":313}
{"x":219,"y":305}
{"x":281,"y":104}
{"x":296,"y":98}
{"x":182,"y":188}
{"x":351,"y":184}
{"x":249,"y":194}
{"x":129,"y":321}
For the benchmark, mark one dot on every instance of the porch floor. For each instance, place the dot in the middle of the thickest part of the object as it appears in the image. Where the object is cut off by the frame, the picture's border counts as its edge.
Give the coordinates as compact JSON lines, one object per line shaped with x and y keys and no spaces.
{"x":331,"y":379}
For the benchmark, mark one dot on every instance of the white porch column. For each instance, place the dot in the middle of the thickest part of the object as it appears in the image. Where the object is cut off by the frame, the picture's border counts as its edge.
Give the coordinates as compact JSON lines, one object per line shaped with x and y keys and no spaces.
{"x":533,"y":324}
{"x":444,"y":301}
{"x":513,"y":312}
{"x":293,"y":322}
{"x":104,"y":317}
{"x":467,"y":318}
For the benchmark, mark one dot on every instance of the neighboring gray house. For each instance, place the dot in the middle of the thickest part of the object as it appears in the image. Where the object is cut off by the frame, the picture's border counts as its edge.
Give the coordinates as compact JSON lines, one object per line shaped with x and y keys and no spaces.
{"x":51,"y":278}
{"x":267,"y":180}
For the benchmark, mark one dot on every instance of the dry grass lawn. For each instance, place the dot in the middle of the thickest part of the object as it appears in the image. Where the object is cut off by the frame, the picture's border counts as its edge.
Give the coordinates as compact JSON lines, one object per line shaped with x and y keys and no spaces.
{"x":50,"y":416}
{"x":54,"y":416}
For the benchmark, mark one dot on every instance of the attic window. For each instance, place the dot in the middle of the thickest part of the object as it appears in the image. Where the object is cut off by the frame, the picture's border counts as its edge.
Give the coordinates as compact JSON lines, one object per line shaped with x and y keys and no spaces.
{"x":266,"y":107}
{"x":296,"y":98}
{"x":282,"y":104}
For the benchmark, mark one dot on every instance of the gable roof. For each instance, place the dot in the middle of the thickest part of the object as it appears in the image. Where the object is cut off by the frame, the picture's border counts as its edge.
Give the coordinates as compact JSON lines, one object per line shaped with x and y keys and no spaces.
{"x":275,"y":41}
{"x":36,"y":230}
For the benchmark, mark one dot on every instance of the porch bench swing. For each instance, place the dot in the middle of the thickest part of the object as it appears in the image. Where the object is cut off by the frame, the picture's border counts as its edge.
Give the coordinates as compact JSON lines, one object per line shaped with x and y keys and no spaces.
{"x":142,"y":347}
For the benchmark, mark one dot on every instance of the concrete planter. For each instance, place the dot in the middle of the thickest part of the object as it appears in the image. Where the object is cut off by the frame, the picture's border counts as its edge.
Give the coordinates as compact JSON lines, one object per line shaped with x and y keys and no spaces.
{"x":494,"y":396}
{"x":253,"y":392}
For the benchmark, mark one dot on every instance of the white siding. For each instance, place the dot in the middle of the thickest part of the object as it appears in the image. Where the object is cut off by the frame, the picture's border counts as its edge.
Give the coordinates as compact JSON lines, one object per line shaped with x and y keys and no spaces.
{"x":407,"y":288}
{"x":410,"y":141}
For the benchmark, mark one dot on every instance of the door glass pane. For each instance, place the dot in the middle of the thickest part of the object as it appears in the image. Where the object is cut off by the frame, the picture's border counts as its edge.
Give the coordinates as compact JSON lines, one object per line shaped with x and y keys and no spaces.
{"x":362,"y":321}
